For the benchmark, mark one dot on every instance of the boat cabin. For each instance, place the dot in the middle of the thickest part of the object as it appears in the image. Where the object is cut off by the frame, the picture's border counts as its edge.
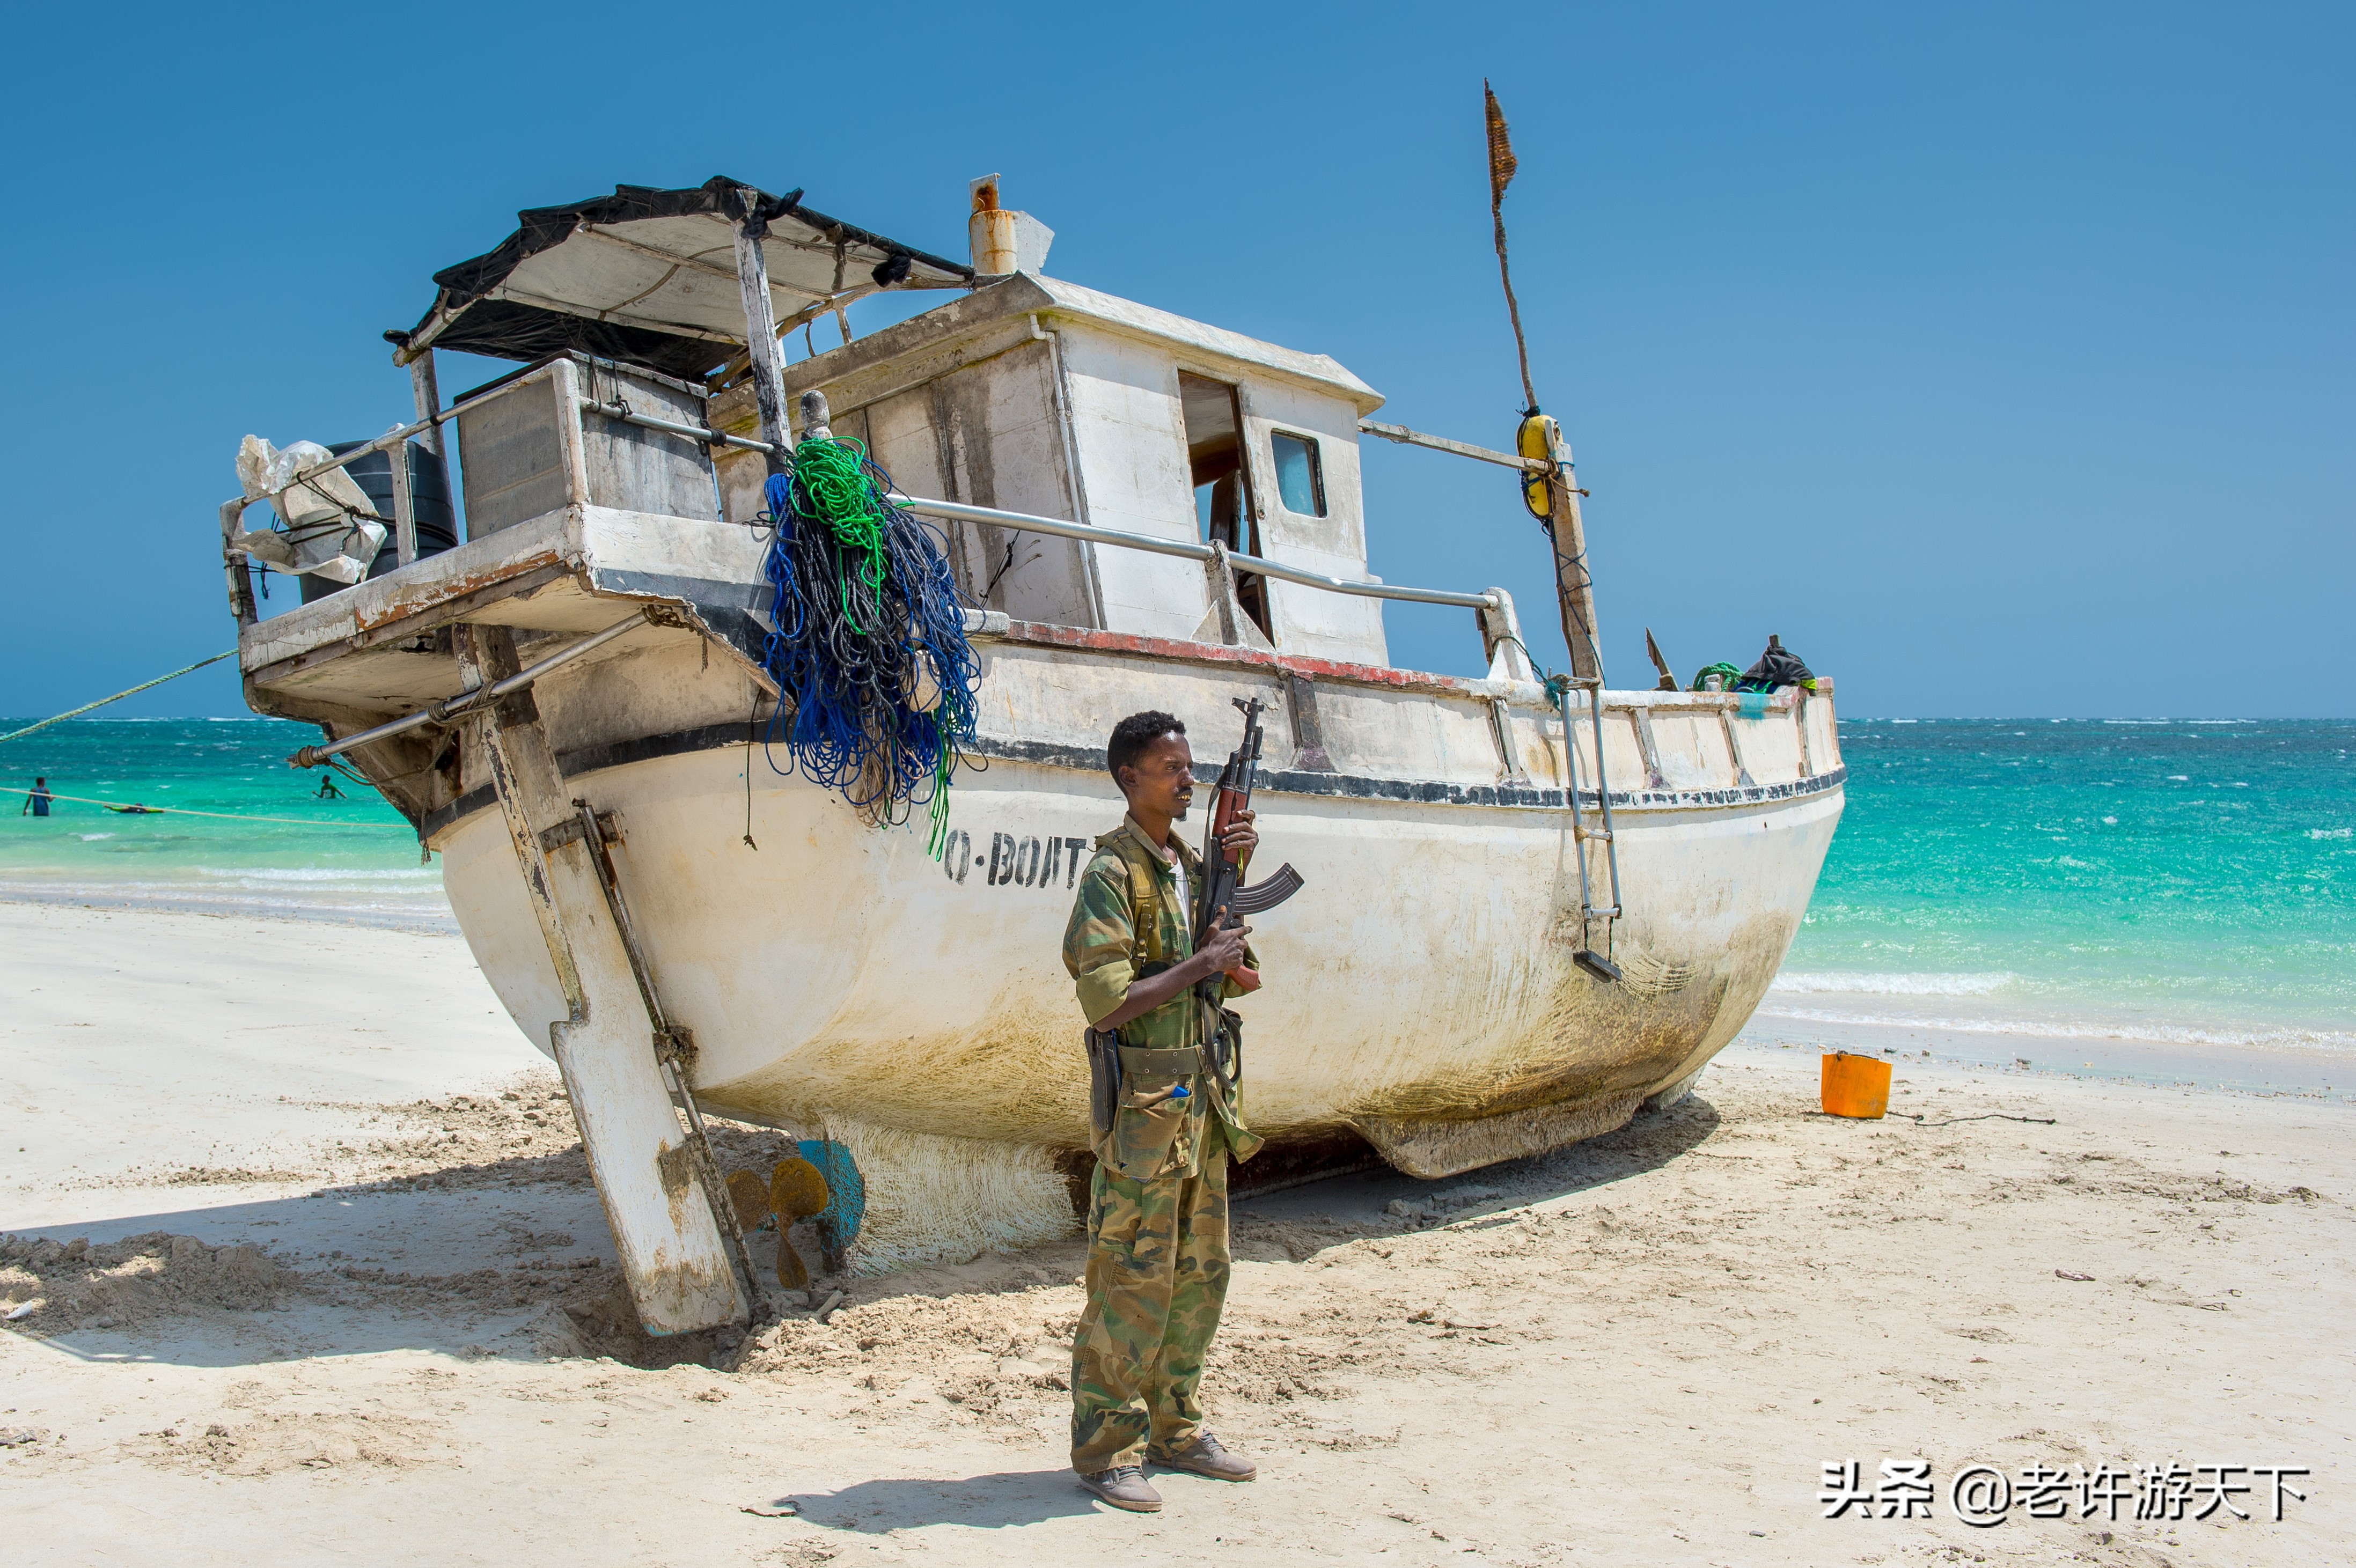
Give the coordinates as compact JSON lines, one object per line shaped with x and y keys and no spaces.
{"x":1039,"y":396}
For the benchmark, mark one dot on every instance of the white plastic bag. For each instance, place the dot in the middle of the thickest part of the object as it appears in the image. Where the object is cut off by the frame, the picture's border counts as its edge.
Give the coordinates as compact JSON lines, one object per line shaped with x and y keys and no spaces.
{"x":323,"y":536}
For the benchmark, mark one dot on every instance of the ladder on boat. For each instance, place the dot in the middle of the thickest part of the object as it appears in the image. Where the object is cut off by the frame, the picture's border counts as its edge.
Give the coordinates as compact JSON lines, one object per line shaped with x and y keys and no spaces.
{"x":1599,"y":964}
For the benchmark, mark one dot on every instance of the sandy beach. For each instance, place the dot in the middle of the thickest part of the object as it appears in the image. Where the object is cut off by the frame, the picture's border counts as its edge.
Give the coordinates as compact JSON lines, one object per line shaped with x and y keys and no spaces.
{"x":321,"y":1278}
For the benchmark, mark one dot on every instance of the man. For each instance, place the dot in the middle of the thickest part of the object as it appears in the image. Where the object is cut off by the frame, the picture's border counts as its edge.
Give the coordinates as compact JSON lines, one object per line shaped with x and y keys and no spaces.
{"x":37,"y":803}
{"x":1158,"y":1263}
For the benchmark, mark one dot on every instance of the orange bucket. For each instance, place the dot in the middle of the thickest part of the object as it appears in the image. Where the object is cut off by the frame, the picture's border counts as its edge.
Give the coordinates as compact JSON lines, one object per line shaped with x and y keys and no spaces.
{"x":1856,"y":1086}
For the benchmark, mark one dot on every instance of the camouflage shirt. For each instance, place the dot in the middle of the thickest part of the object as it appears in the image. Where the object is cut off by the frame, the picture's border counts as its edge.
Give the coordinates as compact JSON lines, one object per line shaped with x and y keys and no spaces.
{"x":1103,"y":951}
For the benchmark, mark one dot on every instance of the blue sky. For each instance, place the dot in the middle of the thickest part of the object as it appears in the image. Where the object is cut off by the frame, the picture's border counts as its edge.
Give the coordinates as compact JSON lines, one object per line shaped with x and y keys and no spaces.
{"x":1998,"y":357}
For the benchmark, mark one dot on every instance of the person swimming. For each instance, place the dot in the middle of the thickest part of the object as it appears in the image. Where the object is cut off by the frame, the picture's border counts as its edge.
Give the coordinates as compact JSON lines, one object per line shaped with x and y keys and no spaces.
{"x":38,"y":802}
{"x":136,"y":810}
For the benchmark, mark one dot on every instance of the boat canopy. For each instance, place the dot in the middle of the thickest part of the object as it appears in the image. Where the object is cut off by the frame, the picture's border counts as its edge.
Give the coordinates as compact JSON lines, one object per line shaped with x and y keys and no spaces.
{"x":649,"y":276}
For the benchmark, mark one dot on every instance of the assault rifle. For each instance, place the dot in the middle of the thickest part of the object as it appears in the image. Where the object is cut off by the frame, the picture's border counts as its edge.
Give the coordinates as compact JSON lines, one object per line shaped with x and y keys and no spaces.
{"x":1224,"y":896}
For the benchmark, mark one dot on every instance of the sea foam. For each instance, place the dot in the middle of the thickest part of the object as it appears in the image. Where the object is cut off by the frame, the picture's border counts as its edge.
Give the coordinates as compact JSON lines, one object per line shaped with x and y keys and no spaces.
{"x":1892,"y":985}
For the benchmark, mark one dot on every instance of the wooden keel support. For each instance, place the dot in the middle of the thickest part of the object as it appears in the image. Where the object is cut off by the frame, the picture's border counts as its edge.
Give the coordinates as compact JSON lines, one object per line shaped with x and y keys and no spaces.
{"x":672,"y":1253}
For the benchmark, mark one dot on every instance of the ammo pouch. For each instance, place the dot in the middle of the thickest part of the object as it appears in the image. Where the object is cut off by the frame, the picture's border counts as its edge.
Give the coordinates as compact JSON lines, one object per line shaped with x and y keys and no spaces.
{"x":1112,"y":1065}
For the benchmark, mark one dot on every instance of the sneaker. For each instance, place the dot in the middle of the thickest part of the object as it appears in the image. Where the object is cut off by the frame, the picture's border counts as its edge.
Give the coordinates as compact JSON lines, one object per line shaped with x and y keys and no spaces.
{"x":1124,"y":1487}
{"x":1203,"y":1456}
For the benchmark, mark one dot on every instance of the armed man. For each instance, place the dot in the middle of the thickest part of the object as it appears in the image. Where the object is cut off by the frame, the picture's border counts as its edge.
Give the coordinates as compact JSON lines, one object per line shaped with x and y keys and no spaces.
{"x":1167,"y":1123}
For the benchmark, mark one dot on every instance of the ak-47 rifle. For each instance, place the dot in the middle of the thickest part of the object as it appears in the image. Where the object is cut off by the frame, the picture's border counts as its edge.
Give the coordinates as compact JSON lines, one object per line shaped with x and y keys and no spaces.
{"x":1224,"y":897}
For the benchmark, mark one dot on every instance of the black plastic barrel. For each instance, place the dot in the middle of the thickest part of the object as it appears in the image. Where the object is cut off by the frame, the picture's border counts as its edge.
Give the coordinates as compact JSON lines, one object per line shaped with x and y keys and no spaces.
{"x":429,"y":494}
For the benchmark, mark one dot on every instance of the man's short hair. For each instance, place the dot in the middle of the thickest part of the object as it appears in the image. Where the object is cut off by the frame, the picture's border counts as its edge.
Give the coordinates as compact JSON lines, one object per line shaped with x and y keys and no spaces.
{"x":1134,"y":733}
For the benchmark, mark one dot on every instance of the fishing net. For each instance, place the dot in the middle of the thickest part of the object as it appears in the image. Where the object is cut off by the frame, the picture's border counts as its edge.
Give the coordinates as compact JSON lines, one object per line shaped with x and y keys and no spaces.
{"x":869,"y":648}
{"x":934,"y":1200}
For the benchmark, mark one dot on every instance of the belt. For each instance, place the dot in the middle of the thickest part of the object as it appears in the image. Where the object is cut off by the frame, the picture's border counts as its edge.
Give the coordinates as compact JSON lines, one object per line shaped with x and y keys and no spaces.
{"x":1139,"y":1062}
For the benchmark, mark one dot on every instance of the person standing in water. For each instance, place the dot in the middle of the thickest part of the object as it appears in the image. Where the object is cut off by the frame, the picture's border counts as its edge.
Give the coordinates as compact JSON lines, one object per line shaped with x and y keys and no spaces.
{"x":37,"y":803}
{"x":1158,"y":1260}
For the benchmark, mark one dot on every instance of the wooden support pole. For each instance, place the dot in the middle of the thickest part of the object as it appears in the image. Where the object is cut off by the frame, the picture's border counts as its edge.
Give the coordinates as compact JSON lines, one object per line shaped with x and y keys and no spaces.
{"x":428,"y":393}
{"x":671,"y":1251}
{"x":1574,"y":583}
{"x":240,"y":585}
{"x":761,"y":332}
{"x":404,"y":506}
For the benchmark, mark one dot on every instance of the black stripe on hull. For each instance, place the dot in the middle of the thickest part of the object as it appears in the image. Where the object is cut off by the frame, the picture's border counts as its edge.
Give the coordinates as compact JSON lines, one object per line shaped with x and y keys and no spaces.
{"x":1084,"y":759}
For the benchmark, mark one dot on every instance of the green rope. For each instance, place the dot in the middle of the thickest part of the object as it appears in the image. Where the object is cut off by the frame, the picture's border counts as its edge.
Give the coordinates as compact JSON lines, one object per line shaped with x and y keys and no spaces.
{"x":1722,"y":668}
{"x":945,"y":758}
{"x":832,"y":475}
{"x":118,"y":697}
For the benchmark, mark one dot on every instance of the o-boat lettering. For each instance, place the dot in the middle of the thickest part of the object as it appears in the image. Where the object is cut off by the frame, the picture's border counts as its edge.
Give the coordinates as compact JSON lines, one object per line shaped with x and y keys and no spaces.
{"x":1045,"y":860}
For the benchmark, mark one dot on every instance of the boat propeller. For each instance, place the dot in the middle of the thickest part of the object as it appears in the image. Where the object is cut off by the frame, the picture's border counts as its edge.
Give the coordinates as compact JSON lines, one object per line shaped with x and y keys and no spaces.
{"x":795,"y":1190}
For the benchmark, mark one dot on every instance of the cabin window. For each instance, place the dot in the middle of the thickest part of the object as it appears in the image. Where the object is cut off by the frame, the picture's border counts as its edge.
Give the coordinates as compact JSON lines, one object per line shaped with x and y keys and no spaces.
{"x":1299,"y":477}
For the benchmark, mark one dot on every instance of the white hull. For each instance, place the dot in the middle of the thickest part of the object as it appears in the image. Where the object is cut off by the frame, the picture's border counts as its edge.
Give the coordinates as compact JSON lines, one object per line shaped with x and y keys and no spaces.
{"x":1421,"y":983}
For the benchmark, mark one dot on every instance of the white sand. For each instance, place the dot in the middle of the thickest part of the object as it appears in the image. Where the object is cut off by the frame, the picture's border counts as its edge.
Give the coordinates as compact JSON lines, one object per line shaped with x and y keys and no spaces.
{"x":1640,"y":1350}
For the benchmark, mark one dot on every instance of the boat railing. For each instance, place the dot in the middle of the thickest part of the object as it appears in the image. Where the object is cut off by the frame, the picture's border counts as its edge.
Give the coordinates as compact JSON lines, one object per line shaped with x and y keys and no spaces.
{"x":1215,"y":554}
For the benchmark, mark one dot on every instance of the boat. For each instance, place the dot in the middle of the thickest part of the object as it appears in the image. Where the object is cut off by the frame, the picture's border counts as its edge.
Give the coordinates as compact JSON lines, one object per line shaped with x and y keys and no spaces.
{"x":1534,"y":906}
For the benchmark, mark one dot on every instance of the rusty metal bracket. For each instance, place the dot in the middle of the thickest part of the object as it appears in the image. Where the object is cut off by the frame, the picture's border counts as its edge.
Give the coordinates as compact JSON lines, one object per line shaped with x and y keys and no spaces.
{"x":569,"y":831}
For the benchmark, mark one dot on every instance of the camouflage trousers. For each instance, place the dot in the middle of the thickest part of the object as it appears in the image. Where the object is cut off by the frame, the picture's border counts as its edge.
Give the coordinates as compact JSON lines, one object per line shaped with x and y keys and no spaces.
{"x":1157,"y":1278}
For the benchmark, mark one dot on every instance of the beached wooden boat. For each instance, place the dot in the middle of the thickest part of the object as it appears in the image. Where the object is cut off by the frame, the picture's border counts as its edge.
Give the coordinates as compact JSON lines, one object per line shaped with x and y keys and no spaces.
{"x":1146,"y":512}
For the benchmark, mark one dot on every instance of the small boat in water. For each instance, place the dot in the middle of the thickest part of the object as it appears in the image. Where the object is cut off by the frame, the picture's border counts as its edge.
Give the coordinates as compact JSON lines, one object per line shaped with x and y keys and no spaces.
{"x":1531,"y":908}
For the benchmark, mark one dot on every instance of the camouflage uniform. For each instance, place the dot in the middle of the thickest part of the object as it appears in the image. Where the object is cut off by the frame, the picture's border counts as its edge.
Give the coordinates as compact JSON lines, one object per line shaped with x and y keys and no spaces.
{"x":1158,"y":1263}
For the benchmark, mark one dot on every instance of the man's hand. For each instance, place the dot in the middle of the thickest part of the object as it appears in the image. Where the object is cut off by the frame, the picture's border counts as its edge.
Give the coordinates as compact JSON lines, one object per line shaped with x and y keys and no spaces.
{"x":1225,"y":950}
{"x":1240,"y":839}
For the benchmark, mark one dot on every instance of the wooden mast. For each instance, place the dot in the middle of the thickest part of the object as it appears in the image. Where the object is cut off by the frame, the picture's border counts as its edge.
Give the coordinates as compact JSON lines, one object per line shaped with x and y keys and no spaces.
{"x":1542,"y":437}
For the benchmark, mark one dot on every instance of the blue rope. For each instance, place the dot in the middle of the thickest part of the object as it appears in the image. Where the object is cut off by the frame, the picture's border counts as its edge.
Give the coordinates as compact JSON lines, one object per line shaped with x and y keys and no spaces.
{"x":854,"y":646}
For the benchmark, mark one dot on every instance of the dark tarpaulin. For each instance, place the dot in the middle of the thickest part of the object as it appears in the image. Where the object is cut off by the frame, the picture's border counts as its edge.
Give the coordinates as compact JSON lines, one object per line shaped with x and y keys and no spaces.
{"x":512,"y":329}
{"x":1779,"y":665}
{"x":503,"y":329}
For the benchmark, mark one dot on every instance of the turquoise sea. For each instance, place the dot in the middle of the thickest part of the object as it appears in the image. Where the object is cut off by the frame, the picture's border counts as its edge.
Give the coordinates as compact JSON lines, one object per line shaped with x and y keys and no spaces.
{"x":2187,"y":881}
{"x":2191,"y":881}
{"x":352,"y":859}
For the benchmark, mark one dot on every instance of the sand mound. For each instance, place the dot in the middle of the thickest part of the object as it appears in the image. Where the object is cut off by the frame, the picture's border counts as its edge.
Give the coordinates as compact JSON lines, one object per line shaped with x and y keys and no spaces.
{"x":50,"y":1286}
{"x":266,"y":1445}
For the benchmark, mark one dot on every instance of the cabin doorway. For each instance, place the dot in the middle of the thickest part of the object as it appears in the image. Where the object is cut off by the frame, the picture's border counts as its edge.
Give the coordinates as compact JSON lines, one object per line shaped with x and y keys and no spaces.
{"x":1223,"y":501}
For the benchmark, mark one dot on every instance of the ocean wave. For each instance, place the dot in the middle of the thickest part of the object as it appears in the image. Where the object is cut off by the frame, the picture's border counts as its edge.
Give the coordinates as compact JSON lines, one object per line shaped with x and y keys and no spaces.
{"x":2039,"y":1029}
{"x":94,"y":837}
{"x":1893,"y":985}
{"x":2332,"y":833}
